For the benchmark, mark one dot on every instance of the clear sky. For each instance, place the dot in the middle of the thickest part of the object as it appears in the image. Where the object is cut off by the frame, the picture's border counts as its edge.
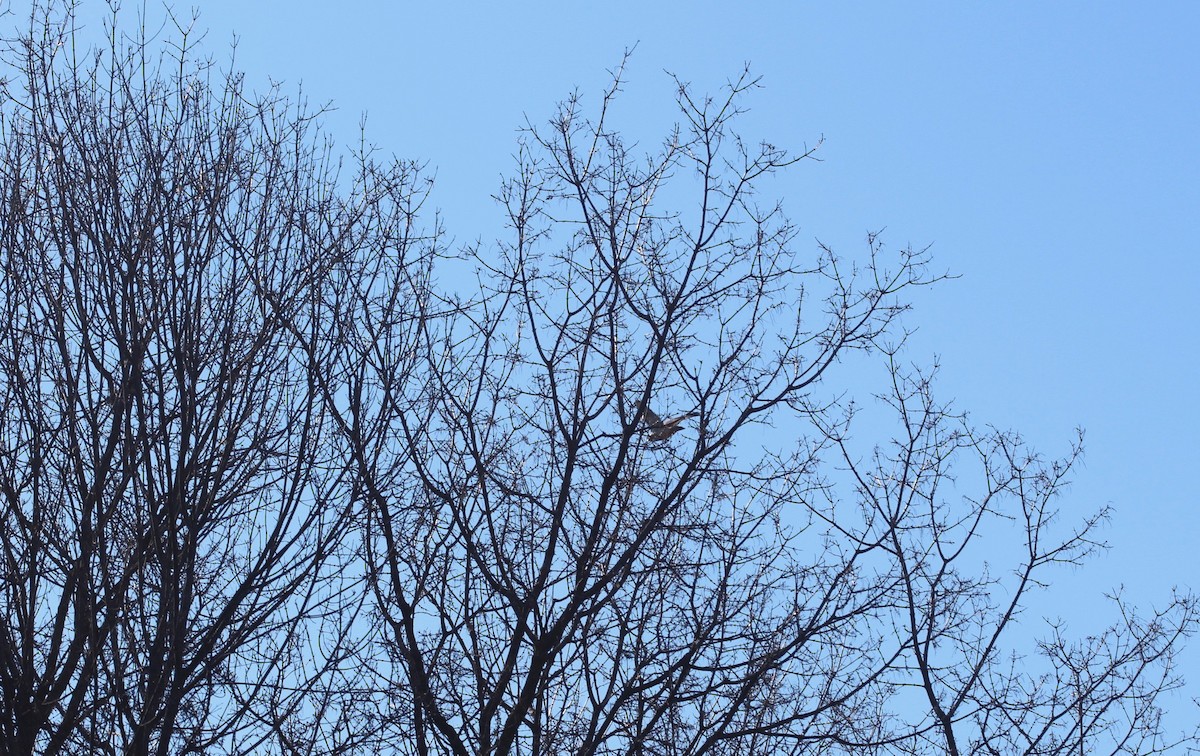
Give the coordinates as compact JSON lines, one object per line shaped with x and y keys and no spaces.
{"x":1049,"y":152}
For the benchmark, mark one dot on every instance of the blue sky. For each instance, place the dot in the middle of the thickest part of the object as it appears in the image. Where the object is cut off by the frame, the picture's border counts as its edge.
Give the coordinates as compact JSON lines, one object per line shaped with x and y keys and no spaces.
{"x":1048,"y":151}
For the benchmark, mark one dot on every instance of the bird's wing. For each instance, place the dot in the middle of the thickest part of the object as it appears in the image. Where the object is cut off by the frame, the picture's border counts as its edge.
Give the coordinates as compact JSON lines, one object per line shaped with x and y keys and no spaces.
{"x":652,"y":418}
{"x":681,"y":418}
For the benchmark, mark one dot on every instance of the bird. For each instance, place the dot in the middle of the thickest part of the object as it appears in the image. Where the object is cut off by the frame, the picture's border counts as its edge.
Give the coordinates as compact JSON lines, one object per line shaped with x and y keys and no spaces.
{"x":659,"y":429}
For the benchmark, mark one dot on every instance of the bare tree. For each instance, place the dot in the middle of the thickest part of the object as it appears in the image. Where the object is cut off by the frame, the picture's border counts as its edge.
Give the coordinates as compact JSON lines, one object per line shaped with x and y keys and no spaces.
{"x":280,"y":473}
{"x":561,"y":570}
{"x":926,"y":501}
{"x":175,"y":570}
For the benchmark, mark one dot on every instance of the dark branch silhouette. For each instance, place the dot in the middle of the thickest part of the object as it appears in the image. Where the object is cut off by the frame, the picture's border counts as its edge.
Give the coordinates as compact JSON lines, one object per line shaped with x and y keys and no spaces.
{"x":282,"y":473}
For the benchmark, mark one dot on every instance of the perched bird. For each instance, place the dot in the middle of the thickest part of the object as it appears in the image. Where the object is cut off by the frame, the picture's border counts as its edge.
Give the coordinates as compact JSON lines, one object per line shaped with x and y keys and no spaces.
{"x":660,"y":429}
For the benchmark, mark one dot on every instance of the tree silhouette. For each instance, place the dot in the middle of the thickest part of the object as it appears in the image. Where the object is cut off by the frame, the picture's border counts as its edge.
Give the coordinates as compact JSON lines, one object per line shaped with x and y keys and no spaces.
{"x":281,"y":472}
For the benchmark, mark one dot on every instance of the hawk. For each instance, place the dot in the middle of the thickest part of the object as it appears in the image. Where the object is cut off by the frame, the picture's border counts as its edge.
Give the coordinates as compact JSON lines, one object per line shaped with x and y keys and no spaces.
{"x":659,"y":429}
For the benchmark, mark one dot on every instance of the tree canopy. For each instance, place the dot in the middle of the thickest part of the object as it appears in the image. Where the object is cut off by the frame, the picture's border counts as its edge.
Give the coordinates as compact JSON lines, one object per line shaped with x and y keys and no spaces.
{"x":284,"y":471}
